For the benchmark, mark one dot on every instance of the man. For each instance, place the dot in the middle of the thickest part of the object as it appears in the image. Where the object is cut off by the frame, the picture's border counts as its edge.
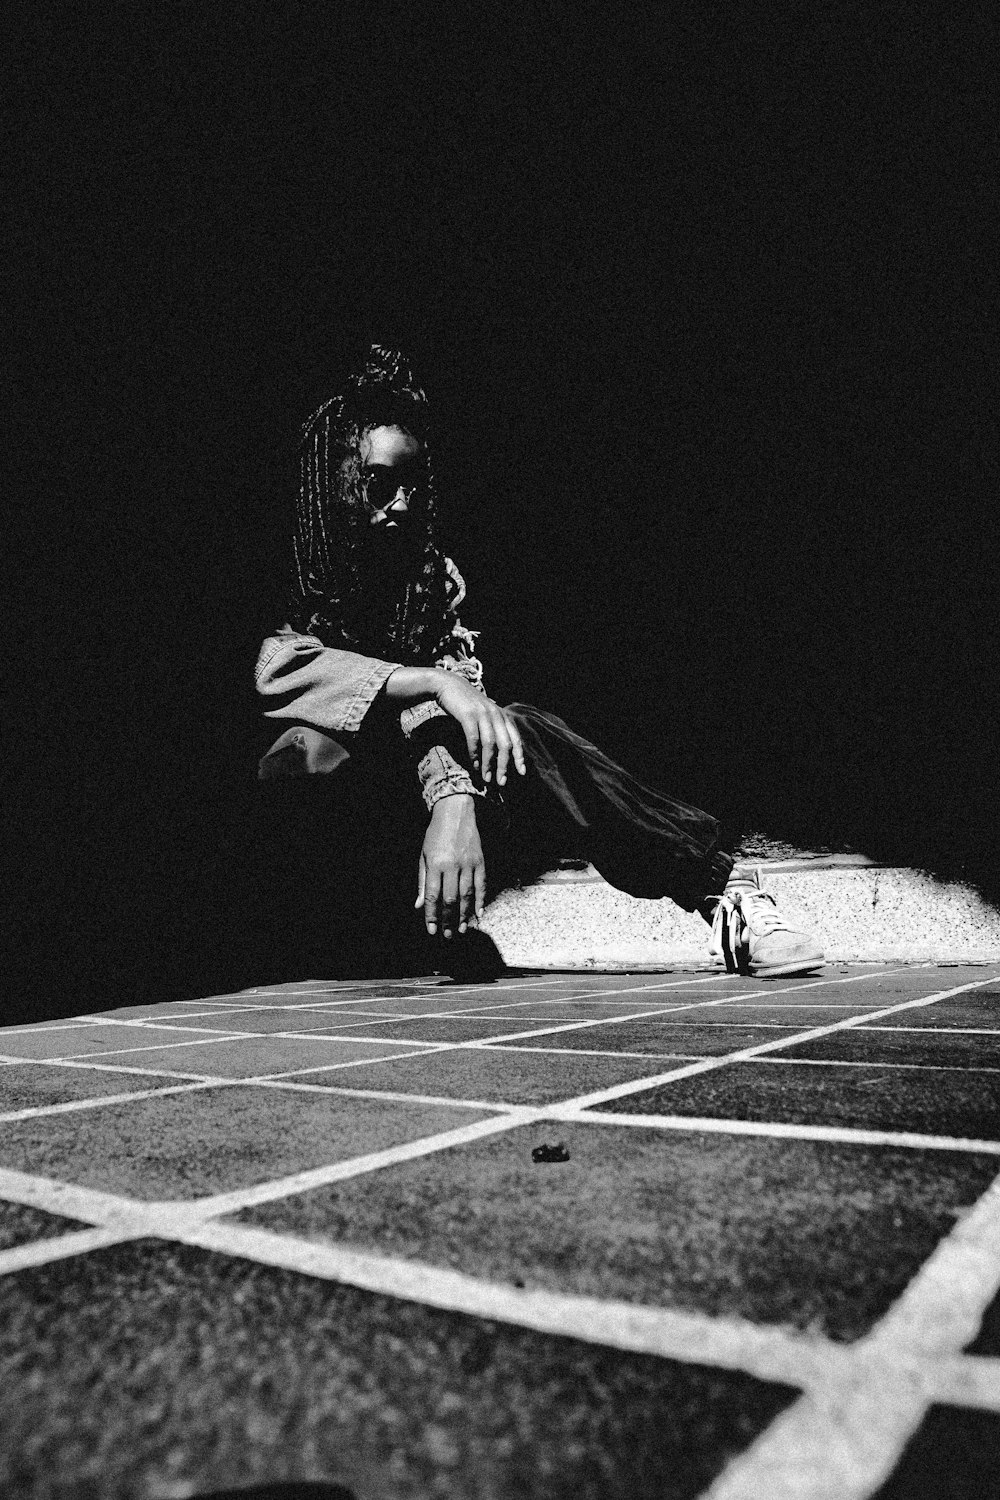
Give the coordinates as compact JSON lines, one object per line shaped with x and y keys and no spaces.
{"x":379,"y":684}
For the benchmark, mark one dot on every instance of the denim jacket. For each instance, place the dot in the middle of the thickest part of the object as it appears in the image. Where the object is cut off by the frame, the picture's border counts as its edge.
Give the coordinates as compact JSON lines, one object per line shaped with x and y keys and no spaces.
{"x":303,"y":681}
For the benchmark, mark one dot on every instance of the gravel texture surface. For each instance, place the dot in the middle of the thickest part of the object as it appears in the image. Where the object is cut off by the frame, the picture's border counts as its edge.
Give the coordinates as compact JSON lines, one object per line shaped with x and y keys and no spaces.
{"x":933,"y":1101}
{"x":34,"y":1085}
{"x":663,"y":1039}
{"x":952,"y":1456}
{"x":794,"y":1232}
{"x":246,"y":1057}
{"x":921,"y":1047}
{"x":213,"y":1140}
{"x":504,"y":1077}
{"x":153,"y":1370}
{"x":20,"y":1225}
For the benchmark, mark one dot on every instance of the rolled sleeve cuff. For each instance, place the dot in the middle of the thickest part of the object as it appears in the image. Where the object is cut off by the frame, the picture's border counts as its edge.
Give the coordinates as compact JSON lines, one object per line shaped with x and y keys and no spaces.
{"x":367,"y":693}
{"x":419,"y":713}
{"x":442,"y":776}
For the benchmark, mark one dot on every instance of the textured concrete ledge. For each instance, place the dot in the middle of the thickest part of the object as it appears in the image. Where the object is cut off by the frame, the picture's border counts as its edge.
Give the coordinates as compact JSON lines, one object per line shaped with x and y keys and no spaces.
{"x":858,"y":911}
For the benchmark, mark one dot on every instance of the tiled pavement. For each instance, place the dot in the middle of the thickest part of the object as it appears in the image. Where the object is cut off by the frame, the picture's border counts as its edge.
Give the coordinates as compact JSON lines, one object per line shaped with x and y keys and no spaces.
{"x":297,"y":1233}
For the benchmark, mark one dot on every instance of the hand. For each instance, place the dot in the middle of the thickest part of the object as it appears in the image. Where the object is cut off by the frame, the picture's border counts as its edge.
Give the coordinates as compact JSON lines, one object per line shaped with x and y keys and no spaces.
{"x":489,"y":731}
{"x":451,"y":880}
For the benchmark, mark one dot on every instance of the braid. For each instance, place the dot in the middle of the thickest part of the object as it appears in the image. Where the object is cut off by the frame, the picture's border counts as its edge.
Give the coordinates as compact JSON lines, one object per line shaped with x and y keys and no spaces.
{"x":333,"y":594}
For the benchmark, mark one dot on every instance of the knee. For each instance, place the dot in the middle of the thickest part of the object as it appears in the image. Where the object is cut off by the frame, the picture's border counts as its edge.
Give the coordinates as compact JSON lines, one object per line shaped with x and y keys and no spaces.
{"x":302,"y":751}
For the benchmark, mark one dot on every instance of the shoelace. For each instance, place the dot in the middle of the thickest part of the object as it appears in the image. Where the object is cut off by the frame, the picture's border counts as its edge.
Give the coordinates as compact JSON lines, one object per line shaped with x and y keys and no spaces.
{"x":764,"y":910}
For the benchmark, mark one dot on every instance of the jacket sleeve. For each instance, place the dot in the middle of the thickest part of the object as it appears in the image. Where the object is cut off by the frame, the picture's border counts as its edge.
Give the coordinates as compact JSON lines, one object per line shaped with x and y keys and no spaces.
{"x":301,"y":679}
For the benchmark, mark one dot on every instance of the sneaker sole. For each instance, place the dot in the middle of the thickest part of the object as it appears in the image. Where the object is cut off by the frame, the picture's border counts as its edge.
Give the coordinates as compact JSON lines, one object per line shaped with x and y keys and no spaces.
{"x":778,"y":971}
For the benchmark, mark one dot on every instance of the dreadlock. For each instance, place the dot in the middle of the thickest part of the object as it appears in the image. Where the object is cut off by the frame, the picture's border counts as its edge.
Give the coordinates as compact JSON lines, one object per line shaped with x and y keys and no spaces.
{"x":337,"y":593}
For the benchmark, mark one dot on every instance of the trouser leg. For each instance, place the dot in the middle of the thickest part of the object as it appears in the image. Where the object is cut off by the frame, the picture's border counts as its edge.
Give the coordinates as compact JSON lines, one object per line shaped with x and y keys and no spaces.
{"x":338,"y":838}
{"x":576,"y":800}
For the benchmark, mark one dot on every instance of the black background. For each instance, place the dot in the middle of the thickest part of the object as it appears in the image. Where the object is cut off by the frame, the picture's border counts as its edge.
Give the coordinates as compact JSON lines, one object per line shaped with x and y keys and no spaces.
{"x":705,"y":303}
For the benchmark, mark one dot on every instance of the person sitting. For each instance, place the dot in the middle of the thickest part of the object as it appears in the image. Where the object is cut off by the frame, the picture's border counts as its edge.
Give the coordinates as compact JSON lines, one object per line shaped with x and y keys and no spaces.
{"x":378,"y":692}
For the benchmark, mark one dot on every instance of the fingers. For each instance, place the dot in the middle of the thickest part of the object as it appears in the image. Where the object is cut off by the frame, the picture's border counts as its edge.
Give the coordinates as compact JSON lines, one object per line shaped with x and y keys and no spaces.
{"x":493,"y":740}
{"x":479,"y":887}
{"x":432,"y":897}
{"x":421,"y":881}
{"x":470,"y":725}
{"x":517,"y":746}
{"x":466,"y":899}
{"x":449,"y":903}
{"x":503,"y":742}
{"x":487,"y":745}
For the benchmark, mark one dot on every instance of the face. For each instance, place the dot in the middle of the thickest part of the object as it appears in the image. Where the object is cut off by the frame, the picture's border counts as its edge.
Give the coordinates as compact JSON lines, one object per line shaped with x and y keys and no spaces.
{"x":388,"y":472}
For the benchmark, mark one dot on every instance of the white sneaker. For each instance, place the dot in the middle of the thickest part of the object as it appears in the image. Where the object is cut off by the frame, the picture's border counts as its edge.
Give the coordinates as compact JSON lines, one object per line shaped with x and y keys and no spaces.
{"x":750,"y":936}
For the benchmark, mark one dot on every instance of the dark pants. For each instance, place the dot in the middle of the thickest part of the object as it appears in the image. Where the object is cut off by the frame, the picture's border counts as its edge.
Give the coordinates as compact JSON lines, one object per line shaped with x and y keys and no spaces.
{"x":342,"y":824}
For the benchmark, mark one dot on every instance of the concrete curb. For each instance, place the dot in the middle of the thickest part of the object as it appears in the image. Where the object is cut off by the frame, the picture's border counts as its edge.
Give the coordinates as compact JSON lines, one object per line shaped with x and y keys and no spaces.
{"x":860,"y":912}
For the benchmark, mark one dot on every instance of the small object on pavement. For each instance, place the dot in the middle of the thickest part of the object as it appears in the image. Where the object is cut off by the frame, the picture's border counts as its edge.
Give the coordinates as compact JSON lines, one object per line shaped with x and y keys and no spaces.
{"x":550,"y":1153}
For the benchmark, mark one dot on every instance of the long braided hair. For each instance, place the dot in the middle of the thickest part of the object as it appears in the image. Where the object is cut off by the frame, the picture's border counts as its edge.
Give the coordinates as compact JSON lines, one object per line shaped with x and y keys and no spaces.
{"x":341,"y":590}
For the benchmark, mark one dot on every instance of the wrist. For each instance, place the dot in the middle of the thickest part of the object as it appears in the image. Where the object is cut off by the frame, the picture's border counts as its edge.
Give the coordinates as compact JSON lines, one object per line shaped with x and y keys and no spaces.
{"x":411,"y":684}
{"x":453,"y":807}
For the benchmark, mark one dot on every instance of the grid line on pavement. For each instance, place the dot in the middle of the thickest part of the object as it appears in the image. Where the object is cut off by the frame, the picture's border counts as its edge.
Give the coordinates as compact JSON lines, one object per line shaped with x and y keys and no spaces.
{"x":861,"y":1402}
{"x":845,"y":1438}
{"x":697,"y":1065}
{"x":710,"y":1064}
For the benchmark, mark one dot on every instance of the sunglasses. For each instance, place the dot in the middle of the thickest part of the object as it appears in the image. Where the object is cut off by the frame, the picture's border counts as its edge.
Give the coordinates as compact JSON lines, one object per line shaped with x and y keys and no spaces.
{"x":382,"y":483}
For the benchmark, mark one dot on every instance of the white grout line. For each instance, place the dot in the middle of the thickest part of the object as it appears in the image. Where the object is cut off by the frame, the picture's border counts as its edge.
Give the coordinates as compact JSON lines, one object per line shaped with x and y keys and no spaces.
{"x":972,"y":1380}
{"x":768,"y":1353}
{"x":60,"y":1247}
{"x":692,"y":1070}
{"x":582,"y":1052}
{"x":431,"y":987}
{"x":340,"y":1171}
{"x":389,"y":1096}
{"x":45,"y":1026}
{"x":481,"y":1012}
{"x":66,"y":1198}
{"x":939,"y":1030}
{"x":846,"y":1134}
{"x":843,"y":1440}
{"x":421,"y":1050}
{"x":856,"y":1063}
{"x":225,"y":1036}
{"x":127,"y":1068}
{"x":73,"y":1106}
{"x":215,"y":1038}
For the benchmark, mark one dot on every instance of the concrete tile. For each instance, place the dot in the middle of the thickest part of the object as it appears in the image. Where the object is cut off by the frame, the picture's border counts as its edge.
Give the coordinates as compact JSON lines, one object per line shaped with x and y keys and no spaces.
{"x":504,"y":1077}
{"x":60,"y":1023}
{"x":404,"y":1005}
{"x":20,"y":1225}
{"x":554,"y":1011}
{"x":447,"y":1029}
{"x":77,"y":1041}
{"x":661,"y":1039}
{"x":946,"y":1049}
{"x":249,"y":1056}
{"x":799,"y":1017}
{"x":980,"y":1008}
{"x":153,"y":1368}
{"x":164,"y":1009}
{"x":952,"y":1456}
{"x":211,"y":1141}
{"x":267,"y":1021}
{"x":305,"y":995}
{"x":811,"y":1234}
{"x":930,"y":1102}
{"x":28,"y":1085}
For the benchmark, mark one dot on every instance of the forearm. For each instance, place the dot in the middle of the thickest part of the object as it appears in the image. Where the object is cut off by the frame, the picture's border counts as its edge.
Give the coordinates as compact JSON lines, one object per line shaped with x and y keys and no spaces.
{"x":407,"y":685}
